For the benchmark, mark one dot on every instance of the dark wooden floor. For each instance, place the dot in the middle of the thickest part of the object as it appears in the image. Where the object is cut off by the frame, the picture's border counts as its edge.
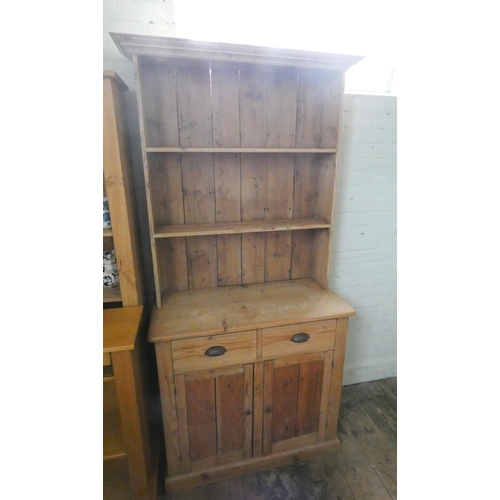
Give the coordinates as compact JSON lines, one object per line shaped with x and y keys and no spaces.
{"x":364,"y":468}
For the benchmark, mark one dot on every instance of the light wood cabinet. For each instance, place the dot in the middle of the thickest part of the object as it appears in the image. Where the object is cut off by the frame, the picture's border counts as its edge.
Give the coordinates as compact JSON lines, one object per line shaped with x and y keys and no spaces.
{"x":240,"y":148}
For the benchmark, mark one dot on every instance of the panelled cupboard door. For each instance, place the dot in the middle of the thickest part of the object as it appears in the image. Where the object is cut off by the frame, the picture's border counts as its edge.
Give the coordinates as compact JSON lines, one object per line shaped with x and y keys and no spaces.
{"x":215,"y":416}
{"x":296,"y":397}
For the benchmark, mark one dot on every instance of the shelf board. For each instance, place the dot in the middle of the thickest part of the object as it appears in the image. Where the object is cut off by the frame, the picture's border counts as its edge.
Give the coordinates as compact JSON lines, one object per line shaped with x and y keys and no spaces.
{"x":260,"y":226}
{"x":107,"y":233}
{"x":111,"y":294}
{"x":241,"y":150}
{"x":113,"y":446}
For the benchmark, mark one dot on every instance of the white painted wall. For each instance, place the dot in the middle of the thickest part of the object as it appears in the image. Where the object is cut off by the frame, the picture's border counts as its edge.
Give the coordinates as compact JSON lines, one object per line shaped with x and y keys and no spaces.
{"x":363,"y":260}
{"x":363,"y":268}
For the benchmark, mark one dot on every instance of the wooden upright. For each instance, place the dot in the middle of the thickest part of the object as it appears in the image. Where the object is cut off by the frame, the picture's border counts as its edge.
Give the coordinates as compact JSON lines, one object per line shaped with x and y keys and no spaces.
{"x":240,"y":146}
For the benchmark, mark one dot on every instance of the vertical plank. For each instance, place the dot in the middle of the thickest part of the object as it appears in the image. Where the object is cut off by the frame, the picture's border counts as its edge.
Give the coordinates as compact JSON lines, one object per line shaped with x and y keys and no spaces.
{"x":158,"y":94}
{"x":247,"y":407}
{"x":285,"y":400}
{"x":336,"y":383}
{"x":194,"y":105}
{"x":165,"y":184}
{"x":309,"y":397}
{"x":202,"y":262}
{"x":253,"y":107}
{"x":230,"y":410}
{"x":302,"y":254}
{"x":281,"y":107}
{"x":172,"y":264}
{"x":321,"y":260}
{"x":258,"y":409}
{"x":279,"y":206}
{"x":168,"y":406}
{"x":199,"y":206}
{"x":228,"y":209}
{"x":306,"y":186}
{"x":225,"y":105}
{"x":253,"y":207}
{"x":253,"y":256}
{"x":267,"y":429}
{"x":183,"y":425}
{"x":200,"y":398}
{"x":278,"y":255}
{"x":318,"y":108}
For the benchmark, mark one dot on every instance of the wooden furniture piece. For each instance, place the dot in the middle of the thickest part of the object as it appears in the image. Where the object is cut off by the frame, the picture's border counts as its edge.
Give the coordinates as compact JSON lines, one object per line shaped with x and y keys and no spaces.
{"x":240,"y":147}
{"x":119,"y":189}
{"x":127,"y":425}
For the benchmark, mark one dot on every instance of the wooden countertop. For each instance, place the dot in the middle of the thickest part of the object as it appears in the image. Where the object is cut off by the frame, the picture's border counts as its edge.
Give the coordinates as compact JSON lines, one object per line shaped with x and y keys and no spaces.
{"x":120,"y":327}
{"x":244,"y":307}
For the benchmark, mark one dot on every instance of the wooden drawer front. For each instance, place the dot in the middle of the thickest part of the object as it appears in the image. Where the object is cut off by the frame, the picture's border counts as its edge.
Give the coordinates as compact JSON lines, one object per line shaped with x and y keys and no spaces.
{"x":190,"y":355}
{"x":277,"y":341}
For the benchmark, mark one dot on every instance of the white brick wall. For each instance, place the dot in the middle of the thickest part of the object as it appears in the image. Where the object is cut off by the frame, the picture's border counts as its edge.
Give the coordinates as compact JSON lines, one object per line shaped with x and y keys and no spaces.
{"x":363,"y":265}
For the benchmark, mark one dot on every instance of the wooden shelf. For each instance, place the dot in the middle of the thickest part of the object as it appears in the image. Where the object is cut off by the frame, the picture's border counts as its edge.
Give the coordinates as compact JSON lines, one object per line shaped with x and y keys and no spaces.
{"x":107,"y":233}
{"x":113,"y":446}
{"x":261,"y":226}
{"x":111,"y":294}
{"x":241,"y":150}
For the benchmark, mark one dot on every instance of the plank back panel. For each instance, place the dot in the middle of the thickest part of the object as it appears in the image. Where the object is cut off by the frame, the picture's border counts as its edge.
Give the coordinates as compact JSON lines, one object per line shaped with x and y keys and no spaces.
{"x":159,"y":103}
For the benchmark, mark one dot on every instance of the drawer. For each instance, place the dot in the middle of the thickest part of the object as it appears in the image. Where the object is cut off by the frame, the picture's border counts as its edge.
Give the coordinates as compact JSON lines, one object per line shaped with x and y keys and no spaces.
{"x":296,"y":339}
{"x":215,"y":351}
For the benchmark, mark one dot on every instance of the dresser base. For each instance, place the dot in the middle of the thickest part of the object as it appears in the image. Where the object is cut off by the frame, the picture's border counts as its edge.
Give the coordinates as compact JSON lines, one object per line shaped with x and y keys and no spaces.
{"x":256,"y":464}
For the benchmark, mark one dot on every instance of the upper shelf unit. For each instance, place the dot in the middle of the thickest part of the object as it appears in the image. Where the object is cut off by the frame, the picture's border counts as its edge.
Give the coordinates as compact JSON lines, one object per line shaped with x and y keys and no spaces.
{"x":239,"y":147}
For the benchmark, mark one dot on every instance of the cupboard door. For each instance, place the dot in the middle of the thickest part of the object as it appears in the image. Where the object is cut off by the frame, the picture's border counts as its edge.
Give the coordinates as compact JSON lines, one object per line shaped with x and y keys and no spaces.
{"x":215,"y":416}
{"x":296,"y":392}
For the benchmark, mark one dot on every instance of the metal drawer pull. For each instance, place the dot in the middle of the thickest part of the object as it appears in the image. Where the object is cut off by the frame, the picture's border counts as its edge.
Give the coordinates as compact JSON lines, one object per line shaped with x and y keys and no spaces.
{"x":216,"y":350}
{"x":300,"y":337}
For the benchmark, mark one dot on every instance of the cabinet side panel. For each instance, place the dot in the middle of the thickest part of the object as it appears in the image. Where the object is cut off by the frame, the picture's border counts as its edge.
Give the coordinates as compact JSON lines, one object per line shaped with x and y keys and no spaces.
{"x":194,"y":104}
{"x":336,"y":383}
{"x":200,"y":400}
{"x":159,"y":103}
{"x":230,"y":411}
{"x":309,"y":398}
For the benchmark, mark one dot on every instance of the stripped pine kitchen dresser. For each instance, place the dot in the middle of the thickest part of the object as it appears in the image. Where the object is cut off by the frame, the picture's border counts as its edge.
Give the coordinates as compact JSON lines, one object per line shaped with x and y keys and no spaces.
{"x":240,"y":147}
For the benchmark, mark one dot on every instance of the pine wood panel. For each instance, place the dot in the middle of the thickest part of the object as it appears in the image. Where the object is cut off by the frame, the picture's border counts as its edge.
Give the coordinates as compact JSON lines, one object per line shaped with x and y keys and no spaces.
{"x":200,"y":396}
{"x":238,"y":308}
{"x":309,"y":397}
{"x":230,"y":405}
{"x":189,"y":354}
{"x":159,"y":104}
{"x":277,"y":340}
{"x":172,"y":264}
{"x":285,"y":401}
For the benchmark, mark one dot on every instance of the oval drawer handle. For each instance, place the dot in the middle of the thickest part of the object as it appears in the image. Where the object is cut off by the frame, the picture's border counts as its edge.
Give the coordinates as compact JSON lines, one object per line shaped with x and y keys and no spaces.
{"x":300,"y":337}
{"x":216,"y":350}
